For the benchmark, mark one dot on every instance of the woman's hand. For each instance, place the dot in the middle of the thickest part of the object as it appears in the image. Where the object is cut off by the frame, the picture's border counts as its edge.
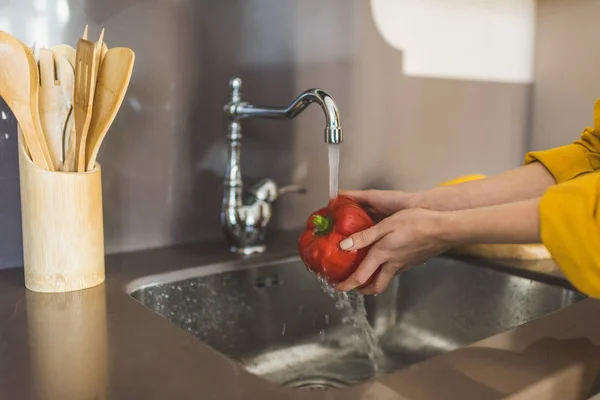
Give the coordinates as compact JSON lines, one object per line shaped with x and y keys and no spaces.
{"x":406,"y":239}
{"x":381,"y":204}
{"x":411,"y":237}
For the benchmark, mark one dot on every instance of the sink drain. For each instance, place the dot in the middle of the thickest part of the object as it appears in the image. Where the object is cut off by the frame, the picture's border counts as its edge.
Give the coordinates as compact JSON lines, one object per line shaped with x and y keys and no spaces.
{"x":316,"y":384}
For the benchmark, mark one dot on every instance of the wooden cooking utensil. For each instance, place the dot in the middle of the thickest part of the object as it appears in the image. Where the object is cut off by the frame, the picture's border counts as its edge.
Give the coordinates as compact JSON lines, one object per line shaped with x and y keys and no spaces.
{"x":34,"y":104}
{"x":70,"y":144}
{"x":55,"y":101}
{"x":99,"y":46}
{"x":66,"y":76}
{"x":19,"y":84}
{"x":115,"y":74}
{"x":85,"y":68}
{"x":66,"y":51}
{"x":103,"y":52}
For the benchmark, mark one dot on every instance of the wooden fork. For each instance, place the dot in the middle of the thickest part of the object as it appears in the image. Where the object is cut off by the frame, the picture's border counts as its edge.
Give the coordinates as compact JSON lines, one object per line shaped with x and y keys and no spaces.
{"x":56,"y":88}
{"x":85,"y":71}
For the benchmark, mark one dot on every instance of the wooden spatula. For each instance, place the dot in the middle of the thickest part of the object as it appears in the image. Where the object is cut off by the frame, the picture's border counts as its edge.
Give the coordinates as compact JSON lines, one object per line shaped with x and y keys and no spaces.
{"x":56,"y":91}
{"x":70,"y":136}
{"x":70,"y":144}
{"x":115,"y":74}
{"x":66,"y":51}
{"x":19,"y":85}
{"x":85,"y":69}
{"x":67,"y":84}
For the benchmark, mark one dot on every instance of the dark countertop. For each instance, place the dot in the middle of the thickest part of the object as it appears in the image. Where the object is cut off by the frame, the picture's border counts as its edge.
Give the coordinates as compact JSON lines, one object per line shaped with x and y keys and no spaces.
{"x":102,"y":344}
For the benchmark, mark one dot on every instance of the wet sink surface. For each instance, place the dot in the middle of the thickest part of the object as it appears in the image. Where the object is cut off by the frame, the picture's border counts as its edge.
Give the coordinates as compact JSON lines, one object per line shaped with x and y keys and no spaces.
{"x":277,"y":320}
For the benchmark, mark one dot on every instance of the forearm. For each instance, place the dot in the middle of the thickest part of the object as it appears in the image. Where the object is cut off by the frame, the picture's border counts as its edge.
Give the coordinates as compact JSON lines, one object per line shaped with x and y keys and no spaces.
{"x":517,"y":222}
{"x":527,"y":182}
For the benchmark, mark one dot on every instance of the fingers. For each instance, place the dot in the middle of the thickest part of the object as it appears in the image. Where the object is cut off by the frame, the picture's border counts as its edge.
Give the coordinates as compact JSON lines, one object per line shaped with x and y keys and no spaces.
{"x":365,"y":238}
{"x":361,"y":196}
{"x":364,"y":271}
{"x":382,"y":280}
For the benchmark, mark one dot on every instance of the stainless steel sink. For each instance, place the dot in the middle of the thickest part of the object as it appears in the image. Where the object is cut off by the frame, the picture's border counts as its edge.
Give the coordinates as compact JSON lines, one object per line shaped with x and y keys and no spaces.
{"x":279,"y":323}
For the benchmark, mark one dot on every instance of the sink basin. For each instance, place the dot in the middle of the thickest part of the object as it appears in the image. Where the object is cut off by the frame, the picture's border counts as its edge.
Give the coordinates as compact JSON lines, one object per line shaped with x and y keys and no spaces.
{"x":277,"y":320}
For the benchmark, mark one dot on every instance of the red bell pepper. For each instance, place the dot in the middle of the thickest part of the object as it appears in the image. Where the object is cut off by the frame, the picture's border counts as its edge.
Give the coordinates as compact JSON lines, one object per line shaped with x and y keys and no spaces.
{"x":319,"y":245}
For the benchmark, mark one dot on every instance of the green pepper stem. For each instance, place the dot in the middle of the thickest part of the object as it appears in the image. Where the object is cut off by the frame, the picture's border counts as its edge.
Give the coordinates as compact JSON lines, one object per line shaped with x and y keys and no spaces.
{"x":322,"y":224}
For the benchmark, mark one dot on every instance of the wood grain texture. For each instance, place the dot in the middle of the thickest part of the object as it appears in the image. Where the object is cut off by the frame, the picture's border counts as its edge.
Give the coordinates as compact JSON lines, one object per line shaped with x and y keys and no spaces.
{"x":56,"y":93}
{"x":504,"y":251}
{"x":100,"y":46}
{"x":19,"y":85}
{"x":66,"y":51}
{"x":63,"y":235}
{"x":85,"y":84}
{"x":70,"y":144}
{"x":113,"y":80}
{"x":34,"y":104}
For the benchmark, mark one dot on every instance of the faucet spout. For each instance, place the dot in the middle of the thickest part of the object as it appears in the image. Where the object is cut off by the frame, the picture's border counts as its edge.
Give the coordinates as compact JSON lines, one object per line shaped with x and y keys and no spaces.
{"x":245,"y":217}
{"x":237,"y":110}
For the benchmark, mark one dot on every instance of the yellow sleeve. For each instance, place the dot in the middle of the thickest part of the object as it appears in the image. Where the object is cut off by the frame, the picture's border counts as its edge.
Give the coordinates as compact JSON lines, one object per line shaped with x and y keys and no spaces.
{"x":570,"y":229}
{"x":570,"y":161}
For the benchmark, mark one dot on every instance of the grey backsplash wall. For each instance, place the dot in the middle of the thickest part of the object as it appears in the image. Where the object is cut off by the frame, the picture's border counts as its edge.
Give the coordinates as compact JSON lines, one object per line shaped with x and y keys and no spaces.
{"x":567,"y":81}
{"x":164,"y":158}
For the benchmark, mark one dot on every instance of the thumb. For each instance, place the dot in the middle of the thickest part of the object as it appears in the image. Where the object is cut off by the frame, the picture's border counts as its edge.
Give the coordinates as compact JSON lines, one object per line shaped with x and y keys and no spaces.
{"x":364,"y":238}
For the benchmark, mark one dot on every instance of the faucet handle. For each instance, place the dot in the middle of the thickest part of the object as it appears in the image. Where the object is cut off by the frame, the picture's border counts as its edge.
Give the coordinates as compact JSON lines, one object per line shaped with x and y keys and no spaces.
{"x":292,"y":189}
{"x":267,"y":190}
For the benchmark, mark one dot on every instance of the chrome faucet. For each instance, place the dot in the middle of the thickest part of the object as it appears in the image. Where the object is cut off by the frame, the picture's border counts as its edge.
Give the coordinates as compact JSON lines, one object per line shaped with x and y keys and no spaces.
{"x":245,"y":219}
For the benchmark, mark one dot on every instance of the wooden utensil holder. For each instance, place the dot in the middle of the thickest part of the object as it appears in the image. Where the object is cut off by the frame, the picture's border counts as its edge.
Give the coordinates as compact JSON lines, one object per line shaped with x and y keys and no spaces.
{"x":63,"y":233}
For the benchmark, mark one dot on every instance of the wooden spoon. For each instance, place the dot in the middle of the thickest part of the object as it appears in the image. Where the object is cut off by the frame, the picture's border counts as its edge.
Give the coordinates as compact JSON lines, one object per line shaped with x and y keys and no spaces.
{"x":19,"y":85}
{"x":113,"y":80}
{"x":56,"y":92}
{"x":85,"y":69}
{"x":34,"y":104}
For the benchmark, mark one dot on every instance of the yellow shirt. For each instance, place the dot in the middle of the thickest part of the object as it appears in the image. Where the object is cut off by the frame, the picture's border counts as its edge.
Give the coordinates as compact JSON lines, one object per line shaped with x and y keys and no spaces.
{"x":570,"y":210}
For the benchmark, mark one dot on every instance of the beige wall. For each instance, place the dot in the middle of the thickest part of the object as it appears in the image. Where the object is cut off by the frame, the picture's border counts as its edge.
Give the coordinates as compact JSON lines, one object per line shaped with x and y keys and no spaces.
{"x":567,"y":70}
{"x":164,"y":158}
